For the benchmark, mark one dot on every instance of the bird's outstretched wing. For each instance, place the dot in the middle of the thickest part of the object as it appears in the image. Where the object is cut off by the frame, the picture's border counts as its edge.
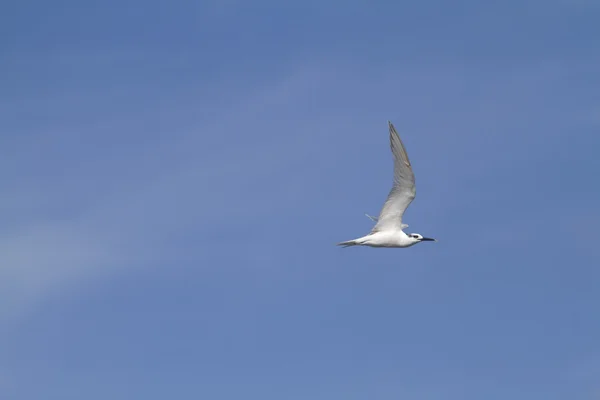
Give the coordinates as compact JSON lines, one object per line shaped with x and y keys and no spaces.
{"x":403,"y":192}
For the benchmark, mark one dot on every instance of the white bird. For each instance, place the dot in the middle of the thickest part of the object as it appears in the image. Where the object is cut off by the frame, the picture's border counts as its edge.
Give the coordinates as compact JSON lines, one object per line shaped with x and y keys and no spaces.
{"x":388,"y":230}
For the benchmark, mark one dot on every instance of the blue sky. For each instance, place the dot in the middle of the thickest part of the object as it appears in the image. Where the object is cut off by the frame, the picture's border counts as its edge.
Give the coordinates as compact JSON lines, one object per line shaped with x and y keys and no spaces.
{"x":174,"y":177}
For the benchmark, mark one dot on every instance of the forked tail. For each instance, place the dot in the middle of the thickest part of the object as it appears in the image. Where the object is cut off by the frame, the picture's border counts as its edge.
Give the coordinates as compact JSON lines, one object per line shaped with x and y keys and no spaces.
{"x":354,"y":242}
{"x":348,"y":243}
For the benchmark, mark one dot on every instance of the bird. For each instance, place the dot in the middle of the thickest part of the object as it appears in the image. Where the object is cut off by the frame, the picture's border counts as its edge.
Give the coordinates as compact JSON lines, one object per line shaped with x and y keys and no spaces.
{"x":389,"y":229}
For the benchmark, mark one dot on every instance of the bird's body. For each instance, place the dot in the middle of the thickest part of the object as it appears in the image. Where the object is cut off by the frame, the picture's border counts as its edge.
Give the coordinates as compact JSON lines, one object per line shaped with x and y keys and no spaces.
{"x":395,"y":238}
{"x":388,"y":230}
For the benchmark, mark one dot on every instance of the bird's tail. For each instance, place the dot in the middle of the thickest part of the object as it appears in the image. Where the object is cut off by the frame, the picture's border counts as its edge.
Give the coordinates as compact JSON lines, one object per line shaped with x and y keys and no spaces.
{"x":354,"y":242}
{"x":348,"y":243}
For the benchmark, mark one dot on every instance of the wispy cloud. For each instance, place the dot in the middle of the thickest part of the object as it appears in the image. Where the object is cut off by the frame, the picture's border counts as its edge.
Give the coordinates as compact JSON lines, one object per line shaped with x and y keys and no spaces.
{"x":131,"y":217}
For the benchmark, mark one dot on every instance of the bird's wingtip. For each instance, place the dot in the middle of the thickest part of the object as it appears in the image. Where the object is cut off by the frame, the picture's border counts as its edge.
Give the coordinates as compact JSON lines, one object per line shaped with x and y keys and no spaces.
{"x":372,"y":218}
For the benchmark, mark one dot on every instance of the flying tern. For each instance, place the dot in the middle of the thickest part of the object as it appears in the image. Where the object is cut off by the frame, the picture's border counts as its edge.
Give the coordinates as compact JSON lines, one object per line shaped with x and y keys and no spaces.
{"x":389,"y":229}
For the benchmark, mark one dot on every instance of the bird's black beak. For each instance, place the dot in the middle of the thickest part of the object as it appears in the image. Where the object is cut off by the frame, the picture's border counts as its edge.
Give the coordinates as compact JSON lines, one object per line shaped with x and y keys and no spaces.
{"x":428,"y":240}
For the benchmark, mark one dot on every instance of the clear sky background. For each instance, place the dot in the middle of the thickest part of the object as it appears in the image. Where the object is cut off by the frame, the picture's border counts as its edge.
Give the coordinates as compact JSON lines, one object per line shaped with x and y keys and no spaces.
{"x":174,"y":178}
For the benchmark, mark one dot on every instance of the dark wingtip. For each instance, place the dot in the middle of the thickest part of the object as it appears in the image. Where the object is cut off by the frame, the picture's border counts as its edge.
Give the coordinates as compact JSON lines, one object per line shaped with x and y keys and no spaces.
{"x":392,"y":129}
